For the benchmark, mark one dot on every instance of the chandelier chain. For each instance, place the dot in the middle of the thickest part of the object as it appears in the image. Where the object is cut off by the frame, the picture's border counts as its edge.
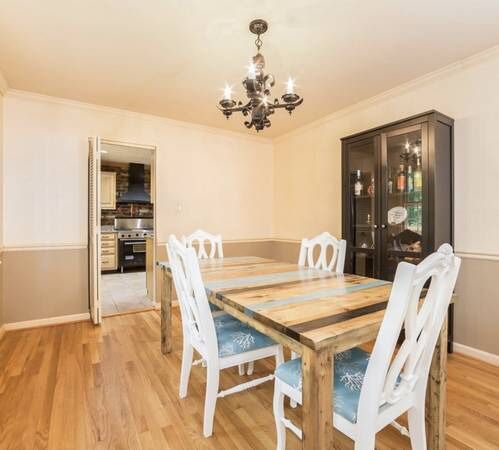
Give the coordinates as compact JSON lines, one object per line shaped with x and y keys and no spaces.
{"x":258,"y":42}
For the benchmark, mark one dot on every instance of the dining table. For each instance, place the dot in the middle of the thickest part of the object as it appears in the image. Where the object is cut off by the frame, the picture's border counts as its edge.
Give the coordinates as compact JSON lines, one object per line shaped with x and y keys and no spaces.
{"x":316,"y":314}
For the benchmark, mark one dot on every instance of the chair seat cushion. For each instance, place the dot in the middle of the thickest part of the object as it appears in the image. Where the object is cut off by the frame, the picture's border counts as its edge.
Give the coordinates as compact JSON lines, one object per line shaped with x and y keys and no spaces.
{"x":349,"y":370}
{"x":235,"y":337}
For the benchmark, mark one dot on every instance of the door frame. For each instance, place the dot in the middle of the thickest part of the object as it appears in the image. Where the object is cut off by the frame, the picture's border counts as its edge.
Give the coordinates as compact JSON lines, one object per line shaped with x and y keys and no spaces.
{"x":154,"y":183}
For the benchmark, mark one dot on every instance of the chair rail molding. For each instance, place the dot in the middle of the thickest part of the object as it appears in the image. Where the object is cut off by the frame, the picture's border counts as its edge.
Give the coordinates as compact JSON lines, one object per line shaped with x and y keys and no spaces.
{"x":4,"y":86}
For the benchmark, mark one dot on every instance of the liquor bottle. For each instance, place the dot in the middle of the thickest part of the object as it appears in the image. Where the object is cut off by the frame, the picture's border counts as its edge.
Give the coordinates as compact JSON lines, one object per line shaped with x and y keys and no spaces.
{"x":418,"y":181}
{"x":390,"y":181}
{"x":410,"y":181}
{"x":358,"y":186}
{"x":370,"y":189}
{"x":401,"y":179}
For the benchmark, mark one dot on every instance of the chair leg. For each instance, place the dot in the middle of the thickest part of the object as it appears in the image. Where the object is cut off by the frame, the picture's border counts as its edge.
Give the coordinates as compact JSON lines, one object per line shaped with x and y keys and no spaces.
{"x":210,"y":402}
{"x":278,"y":407}
{"x":292,"y":403}
{"x":279,"y":357}
{"x":251,"y":368}
{"x":417,"y":426}
{"x":367,"y":441}
{"x":185,"y":371}
{"x":241,"y":369}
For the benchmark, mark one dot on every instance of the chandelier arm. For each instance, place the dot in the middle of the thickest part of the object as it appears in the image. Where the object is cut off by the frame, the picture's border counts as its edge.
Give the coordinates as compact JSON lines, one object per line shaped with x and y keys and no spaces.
{"x":284,"y":105}
{"x":247,"y":106}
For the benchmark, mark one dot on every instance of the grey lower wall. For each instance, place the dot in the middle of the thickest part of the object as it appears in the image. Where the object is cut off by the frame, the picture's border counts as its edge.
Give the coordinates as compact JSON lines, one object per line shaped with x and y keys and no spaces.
{"x":44,"y":283}
{"x":477,"y":306}
{"x":48,"y":283}
{"x":2,"y":321}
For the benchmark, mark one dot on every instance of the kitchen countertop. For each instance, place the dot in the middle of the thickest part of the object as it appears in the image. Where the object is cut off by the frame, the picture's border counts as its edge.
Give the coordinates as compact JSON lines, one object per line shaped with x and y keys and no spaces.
{"x":108,"y":229}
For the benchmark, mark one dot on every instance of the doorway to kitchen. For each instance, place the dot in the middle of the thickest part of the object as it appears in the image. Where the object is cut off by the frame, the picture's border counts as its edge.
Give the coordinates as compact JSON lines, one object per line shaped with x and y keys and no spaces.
{"x":121,"y":228}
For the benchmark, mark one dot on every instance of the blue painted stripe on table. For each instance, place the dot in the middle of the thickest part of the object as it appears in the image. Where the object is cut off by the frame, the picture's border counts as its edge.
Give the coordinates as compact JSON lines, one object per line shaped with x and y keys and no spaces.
{"x":304,"y":274}
{"x":332,"y":292}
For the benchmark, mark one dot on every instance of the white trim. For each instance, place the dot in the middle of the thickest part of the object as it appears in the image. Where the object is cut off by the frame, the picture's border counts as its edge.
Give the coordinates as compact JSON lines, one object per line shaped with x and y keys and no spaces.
{"x":397,"y":90}
{"x":4,"y":86}
{"x":477,"y":354}
{"x":485,"y":256}
{"x":21,"y":248}
{"x":47,"y":321}
{"x":127,"y":113}
{"x":2,"y":331}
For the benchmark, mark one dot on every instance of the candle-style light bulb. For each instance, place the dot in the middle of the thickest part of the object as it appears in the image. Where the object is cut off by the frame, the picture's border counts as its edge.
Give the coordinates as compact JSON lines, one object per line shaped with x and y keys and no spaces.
{"x":227,"y":92}
{"x":252,"y":71}
{"x":290,"y":86}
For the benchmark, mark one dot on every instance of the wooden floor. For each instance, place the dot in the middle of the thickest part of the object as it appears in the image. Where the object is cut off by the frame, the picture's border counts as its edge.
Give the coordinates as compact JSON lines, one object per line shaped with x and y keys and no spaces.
{"x":78,"y":386}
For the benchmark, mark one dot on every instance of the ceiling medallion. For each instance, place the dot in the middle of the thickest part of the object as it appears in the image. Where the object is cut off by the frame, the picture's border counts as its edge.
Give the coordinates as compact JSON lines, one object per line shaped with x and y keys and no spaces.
{"x":257,"y":86}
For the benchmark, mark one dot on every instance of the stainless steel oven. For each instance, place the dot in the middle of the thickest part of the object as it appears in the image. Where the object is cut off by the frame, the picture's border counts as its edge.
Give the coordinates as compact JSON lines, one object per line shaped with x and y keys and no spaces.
{"x":132,"y":253}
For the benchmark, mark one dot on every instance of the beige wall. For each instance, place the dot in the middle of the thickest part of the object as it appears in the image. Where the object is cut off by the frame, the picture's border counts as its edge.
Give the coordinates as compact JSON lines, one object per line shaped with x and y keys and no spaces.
{"x":307,"y":178}
{"x":222,"y":181}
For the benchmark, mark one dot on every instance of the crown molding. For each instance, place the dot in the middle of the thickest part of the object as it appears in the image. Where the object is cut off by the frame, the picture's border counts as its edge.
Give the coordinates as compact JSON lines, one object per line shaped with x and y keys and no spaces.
{"x":438,"y":74}
{"x":133,"y":114}
{"x":4,"y":86}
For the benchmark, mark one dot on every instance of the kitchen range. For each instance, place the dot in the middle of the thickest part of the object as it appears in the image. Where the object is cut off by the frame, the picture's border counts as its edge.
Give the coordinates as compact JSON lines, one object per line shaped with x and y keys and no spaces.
{"x":132,"y":234}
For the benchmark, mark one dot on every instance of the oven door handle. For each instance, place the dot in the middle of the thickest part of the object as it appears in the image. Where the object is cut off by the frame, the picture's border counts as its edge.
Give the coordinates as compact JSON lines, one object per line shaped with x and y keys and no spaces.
{"x":134,"y":243}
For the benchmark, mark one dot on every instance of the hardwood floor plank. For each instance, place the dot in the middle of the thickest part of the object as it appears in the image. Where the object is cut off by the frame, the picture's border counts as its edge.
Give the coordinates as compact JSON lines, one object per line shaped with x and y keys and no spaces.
{"x":77,"y":386}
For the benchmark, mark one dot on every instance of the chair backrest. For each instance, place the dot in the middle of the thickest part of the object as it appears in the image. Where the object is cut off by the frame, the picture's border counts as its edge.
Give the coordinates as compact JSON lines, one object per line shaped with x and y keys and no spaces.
{"x":324,"y":240}
{"x":390,"y":375}
{"x":201,"y":237}
{"x":197,"y":321}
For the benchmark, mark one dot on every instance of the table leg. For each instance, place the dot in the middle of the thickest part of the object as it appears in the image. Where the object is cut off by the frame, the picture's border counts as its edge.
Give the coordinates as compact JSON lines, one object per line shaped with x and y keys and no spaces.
{"x":436,"y":397}
{"x":317,"y":408}
{"x":166,"y":312}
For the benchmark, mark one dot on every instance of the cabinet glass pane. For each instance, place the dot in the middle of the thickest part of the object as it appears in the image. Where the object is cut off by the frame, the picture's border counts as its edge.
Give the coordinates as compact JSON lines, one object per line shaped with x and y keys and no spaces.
{"x":404,"y":199}
{"x":363,"y":264}
{"x":362,"y":183}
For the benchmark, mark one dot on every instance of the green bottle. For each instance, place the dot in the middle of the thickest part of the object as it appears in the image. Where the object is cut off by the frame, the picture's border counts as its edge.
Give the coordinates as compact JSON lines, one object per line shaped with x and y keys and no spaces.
{"x":418,"y":181}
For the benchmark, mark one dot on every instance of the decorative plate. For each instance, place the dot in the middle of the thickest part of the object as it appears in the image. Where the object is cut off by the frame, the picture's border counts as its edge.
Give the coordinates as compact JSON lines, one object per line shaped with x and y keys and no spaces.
{"x":397,"y":215}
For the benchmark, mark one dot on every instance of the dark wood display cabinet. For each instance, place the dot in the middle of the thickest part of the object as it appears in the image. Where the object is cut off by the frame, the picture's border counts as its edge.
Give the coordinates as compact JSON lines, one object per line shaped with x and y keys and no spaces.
{"x":398,"y":194}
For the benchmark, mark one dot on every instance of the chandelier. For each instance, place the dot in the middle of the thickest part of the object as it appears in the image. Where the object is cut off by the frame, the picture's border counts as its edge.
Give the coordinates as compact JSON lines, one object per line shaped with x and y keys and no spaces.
{"x":258,"y":89}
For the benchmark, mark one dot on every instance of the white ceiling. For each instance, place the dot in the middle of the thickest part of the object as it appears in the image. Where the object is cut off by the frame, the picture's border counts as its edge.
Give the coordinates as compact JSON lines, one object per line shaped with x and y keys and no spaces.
{"x":172,"y":57}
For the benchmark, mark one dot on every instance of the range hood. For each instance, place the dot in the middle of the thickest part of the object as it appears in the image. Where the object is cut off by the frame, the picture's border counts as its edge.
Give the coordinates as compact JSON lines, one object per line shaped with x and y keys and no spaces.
{"x":136,"y":186}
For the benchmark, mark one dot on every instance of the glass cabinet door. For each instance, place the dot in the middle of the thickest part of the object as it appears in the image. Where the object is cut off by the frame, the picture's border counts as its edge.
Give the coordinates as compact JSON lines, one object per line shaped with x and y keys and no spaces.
{"x":403,"y":211}
{"x":362,"y":189}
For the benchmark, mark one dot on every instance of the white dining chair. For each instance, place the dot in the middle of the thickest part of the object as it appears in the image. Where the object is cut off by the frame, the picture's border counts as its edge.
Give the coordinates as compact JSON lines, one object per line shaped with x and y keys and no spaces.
{"x":324,"y":240}
{"x":372,"y":390}
{"x":199,"y":238}
{"x":222,"y":341}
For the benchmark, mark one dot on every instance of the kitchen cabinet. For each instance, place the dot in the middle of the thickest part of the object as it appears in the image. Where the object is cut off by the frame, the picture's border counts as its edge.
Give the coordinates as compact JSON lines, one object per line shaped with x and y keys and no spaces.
{"x":109,"y":251}
{"x":108,"y":190}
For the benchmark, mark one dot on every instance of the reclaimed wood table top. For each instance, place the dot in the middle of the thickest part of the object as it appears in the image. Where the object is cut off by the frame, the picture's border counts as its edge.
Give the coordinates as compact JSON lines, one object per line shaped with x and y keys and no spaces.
{"x":311,"y":306}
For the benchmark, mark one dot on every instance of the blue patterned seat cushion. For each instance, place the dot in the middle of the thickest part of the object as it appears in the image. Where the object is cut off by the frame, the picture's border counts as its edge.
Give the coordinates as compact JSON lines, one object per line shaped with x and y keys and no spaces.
{"x":235,"y":337}
{"x":349,"y":370}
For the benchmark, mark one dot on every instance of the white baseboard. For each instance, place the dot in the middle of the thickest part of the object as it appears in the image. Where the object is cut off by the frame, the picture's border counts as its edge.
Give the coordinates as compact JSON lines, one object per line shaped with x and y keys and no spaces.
{"x":45,"y":322}
{"x":2,"y":331}
{"x":478,"y":354}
